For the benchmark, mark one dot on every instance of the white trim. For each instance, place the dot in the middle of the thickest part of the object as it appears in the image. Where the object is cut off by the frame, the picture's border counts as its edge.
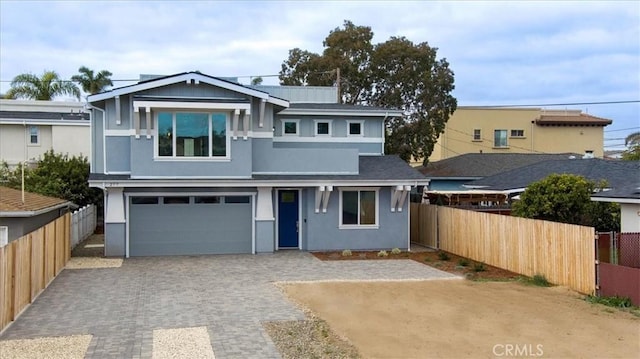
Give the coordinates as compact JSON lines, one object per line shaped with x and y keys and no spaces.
{"x":372,"y":153}
{"x":217,"y":182}
{"x":264,"y":206}
{"x":277,"y":219}
{"x":256,"y":134}
{"x":34,"y":213}
{"x":329,"y":140}
{"x":306,"y":173}
{"x":616,"y":199}
{"x":195,"y":178}
{"x":323,"y":194}
{"x":114,"y":211}
{"x":253,"y":223}
{"x":333,"y":112}
{"x":120,"y":172}
{"x":315,"y":128}
{"x":361,"y":134}
{"x":121,"y":133}
{"x":284,"y":122}
{"x":81,"y":123}
{"x":214,"y":106}
{"x":377,"y":208}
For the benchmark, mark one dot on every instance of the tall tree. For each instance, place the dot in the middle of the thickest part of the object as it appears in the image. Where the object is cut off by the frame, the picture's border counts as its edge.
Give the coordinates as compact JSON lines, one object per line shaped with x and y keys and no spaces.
{"x":632,"y":153}
{"x":91,"y":83}
{"x":396,"y":74}
{"x":46,"y":87}
{"x":632,"y":139}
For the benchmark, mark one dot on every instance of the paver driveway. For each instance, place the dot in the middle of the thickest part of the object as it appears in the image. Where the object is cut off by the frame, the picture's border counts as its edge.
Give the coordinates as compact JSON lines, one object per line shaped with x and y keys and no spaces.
{"x":229,"y":294}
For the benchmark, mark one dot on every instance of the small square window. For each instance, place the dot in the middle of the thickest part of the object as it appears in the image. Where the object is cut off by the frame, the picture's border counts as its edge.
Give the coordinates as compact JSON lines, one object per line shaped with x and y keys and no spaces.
{"x":290,"y":128}
{"x":206,"y":199}
{"x":144,"y":200}
{"x":355,"y":128}
{"x":176,"y":200}
{"x":322,"y":128}
{"x":237,"y":199}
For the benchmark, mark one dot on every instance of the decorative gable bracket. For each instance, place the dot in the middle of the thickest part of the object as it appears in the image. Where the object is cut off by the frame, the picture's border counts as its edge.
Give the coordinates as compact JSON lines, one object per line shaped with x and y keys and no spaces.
{"x":398,"y":197}
{"x":323,"y":193}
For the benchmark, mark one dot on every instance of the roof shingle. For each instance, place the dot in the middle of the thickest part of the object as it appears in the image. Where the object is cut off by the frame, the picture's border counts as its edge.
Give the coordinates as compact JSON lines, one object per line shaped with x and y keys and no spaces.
{"x":11,"y":201}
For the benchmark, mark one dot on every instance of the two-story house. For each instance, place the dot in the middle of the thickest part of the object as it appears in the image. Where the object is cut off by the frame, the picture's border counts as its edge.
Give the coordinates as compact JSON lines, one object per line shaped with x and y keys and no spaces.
{"x":520,"y":130}
{"x":194,"y":164}
{"x":29,"y":128}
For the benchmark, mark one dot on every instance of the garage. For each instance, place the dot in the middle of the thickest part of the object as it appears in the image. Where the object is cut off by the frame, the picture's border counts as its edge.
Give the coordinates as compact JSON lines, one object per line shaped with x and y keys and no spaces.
{"x":190,"y":225}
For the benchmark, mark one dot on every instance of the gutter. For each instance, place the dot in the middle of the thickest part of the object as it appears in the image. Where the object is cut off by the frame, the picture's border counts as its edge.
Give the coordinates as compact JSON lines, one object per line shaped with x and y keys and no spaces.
{"x":34,"y":213}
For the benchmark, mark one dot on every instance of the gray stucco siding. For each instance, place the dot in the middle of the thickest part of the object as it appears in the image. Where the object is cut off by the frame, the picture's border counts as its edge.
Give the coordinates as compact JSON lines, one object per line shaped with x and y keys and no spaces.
{"x":144,"y":164}
{"x":372,"y":126}
{"x":118,"y":153}
{"x":322,"y":230}
{"x":126,"y":108}
{"x":183,"y":90}
{"x":368,"y":148}
{"x":267,"y":159}
{"x":97,"y":142}
{"x":114,"y":239}
{"x":19,"y":226}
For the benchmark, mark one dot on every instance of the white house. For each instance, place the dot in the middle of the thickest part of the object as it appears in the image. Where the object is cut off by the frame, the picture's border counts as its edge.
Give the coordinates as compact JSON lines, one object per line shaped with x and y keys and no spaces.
{"x":629,"y":200}
{"x":30,"y":128}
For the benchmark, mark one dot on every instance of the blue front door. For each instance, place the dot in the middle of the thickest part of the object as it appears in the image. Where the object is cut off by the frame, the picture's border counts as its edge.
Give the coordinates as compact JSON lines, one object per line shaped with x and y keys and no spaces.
{"x":288,"y":219}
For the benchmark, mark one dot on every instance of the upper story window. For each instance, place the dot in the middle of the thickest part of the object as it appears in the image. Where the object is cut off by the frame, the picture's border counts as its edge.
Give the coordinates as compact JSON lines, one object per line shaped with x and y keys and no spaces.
{"x":517,"y":133}
{"x":323,"y":127}
{"x":192,"y":134}
{"x":477,"y":135}
{"x":500,"y":138}
{"x":359,"y":208}
{"x":291,"y":127}
{"x":355,"y":128}
{"x":34,"y":135}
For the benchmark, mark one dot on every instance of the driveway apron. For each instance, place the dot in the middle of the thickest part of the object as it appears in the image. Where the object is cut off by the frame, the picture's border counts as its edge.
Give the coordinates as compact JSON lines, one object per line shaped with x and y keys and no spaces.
{"x":231,"y":295}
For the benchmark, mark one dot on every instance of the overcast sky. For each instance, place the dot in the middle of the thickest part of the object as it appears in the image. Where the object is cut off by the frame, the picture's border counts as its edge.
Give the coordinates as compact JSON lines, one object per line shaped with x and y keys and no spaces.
{"x":502,"y":53}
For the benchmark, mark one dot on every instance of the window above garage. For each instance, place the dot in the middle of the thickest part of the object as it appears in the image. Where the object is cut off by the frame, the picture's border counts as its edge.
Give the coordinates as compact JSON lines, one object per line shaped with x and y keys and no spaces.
{"x":192,"y":134}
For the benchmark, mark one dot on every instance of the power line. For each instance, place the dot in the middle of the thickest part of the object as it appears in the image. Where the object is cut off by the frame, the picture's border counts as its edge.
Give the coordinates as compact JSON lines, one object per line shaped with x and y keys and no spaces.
{"x":623,"y":129}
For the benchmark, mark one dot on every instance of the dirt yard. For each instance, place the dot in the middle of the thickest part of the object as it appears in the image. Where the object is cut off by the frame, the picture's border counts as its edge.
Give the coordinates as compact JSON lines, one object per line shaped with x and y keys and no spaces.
{"x":469,"y":319}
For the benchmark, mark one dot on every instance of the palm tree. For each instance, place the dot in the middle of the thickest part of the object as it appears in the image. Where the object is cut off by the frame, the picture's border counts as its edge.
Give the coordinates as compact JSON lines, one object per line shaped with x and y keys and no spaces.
{"x":92,"y":84}
{"x":632,"y":139}
{"x":46,"y":87}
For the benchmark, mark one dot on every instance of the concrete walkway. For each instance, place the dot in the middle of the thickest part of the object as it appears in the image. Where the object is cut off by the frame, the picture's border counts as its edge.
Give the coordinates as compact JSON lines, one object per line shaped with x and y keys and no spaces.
{"x":230,"y":295}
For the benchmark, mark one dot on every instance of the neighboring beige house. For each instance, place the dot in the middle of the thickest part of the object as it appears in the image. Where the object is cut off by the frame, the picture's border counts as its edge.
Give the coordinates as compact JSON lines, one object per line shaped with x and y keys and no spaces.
{"x":520,"y":130}
{"x":30,"y":128}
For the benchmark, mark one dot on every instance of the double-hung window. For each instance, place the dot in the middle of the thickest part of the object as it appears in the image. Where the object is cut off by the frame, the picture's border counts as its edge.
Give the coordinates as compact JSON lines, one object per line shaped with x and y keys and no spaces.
{"x":192,"y":134}
{"x":477,"y":135}
{"x":34,"y":135}
{"x":500,"y":138}
{"x":517,"y":133}
{"x":359,"y":208}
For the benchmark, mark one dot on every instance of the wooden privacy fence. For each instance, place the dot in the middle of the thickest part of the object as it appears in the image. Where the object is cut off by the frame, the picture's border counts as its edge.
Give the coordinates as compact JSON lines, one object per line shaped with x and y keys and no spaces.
{"x":563,"y":253}
{"x":29,"y":264}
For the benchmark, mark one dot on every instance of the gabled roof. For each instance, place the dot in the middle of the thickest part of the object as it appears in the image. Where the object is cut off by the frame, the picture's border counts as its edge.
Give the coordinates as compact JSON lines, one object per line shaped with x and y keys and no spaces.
{"x":581,"y":119}
{"x":479,"y":165}
{"x":625,"y":194}
{"x":189,"y":77}
{"x":616,"y":173}
{"x":11,"y":203}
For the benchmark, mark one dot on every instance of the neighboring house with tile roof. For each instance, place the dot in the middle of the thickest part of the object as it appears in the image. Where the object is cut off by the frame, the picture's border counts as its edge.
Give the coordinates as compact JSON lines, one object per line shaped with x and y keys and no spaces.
{"x":195,"y":164}
{"x":22,"y":213}
{"x":520,"y":130}
{"x":30,"y":128}
{"x":628,"y":197}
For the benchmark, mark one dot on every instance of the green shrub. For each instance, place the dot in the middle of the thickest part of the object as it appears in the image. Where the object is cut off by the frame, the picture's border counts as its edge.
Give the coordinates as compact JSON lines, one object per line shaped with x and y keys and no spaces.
{"x":540,"y":280}
{"x":383,"y":254}
{"x":615,"y":301}
{"x":443,"y":256}
{"x":396,"y":251}
{"x":463,"y":262}
{"x":346,"y":253}
{"x":479,"y":267}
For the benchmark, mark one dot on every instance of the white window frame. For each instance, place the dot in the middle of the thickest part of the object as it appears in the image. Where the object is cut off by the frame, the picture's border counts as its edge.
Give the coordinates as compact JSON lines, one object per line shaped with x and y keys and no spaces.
{"x":210,"y":158}
{"x":315,"y":126}
{"x":4,"y":236}
{"x":297,"y":122}
{"x":29,"y":143}
{"x":479,"y":138}
{"x":377,"y":209}
{"x":511,"y":135}
{"x":506,"y":138}
{"x":349,"y":122}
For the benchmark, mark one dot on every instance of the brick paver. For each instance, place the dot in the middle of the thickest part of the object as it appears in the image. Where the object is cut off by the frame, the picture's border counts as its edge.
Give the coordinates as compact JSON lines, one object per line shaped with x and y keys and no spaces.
{"x":229,"y":294}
